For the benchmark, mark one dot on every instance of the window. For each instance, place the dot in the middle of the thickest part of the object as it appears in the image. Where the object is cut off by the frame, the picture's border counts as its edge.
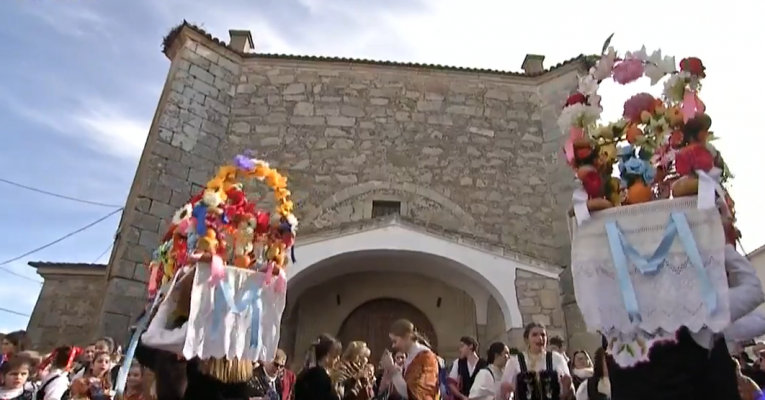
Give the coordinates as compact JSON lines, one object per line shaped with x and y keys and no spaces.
{"x":381,"y":208}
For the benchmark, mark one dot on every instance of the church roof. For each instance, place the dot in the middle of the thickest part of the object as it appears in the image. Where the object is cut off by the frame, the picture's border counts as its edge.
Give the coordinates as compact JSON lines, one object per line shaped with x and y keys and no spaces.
{"x":167,"y":43}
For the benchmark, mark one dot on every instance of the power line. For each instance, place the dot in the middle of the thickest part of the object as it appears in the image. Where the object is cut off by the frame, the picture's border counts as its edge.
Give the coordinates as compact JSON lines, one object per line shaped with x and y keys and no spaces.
{"x":6,"y":270}
{"x":60,"y":196}
{"x":14,"y":312}
{"x":103,"y":253}
{"x":68,"y":235}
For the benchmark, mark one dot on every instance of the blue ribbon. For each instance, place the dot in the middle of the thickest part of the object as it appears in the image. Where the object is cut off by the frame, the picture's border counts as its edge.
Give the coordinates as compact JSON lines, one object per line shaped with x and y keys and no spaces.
{"x":248,"y":298}
{"x":200,"y":214}
{"x":143,"y":322}
{"x":623,"y":252}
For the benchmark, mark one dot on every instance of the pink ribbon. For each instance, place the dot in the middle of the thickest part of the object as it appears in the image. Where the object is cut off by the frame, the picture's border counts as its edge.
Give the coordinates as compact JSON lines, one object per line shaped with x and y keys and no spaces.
{"x":154,"y":279}
{"x":692,"y":105}
{"x":573,"y":134}
{"x":217,"y":269}
{"x":280,"y":286}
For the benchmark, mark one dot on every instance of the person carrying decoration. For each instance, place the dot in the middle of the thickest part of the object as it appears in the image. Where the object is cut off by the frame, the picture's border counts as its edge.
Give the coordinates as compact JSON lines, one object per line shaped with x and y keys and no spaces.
{"x":217,"y":288}
{"x":653,"y":250}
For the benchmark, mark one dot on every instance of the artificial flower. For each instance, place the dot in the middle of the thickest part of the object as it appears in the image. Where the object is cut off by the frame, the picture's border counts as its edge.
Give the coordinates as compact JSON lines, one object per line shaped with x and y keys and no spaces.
{"x":635,"y":167}
{"x":634,"y":107}
{"x":583,"y":151}
{"x":183,"y":214}
{"x":576,"y":98}
{"x":592,"y":182}
{"x":641,"y":54}
{"x":676,"y":139}
{"x":607,"y":153}
{"x":694,"y":66}
{"x":604,"y":132}
{"x":578,"y":115}
{"x":604,"y":67}
{"x":628,"y":71}
{"x":244,"y":162}
{"x":588,"y":85}
{"x":692,"y":158}
{"x":657,"y":67}
{"x":674,"y":88}
{"x":262,"y":222}
{"x":625,"y":152}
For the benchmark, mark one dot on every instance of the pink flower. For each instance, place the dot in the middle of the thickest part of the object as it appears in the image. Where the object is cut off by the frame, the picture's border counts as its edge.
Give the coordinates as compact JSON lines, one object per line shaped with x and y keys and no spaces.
{"x":637,"y":104}
{"x":628,"y":71}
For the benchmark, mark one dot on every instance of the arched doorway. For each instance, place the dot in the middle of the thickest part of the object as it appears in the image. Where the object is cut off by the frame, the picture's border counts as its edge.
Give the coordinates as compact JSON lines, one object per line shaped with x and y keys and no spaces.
{"x":371,"y":323}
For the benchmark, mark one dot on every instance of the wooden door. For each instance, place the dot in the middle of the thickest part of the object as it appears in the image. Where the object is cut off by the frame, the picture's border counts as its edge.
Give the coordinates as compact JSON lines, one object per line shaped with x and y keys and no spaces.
{"x":371,"y":322}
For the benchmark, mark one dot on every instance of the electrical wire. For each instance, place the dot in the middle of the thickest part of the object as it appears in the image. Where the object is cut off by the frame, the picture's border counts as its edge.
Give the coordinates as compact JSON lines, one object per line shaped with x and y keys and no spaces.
{"x":5,"y":310}
{"x":16,"y":274}
{"x":67,"y":236}
{"x":60,"y":196}
{"x":103,"y":253}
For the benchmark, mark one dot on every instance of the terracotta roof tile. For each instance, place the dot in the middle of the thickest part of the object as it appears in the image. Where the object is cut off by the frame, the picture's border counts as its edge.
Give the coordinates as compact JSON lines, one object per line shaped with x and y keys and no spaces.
{"x":173,"y":35}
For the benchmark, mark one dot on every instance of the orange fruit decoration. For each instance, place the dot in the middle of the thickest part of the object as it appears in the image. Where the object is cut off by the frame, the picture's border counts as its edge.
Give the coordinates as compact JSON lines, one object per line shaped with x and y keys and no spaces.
{"x":638,"y":193}
{"x":632,"y":133}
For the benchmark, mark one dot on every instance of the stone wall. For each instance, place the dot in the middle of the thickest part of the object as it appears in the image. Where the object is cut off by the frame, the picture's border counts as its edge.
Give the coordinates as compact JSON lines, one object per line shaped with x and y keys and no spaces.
{"x":465,"y":150}
{"x":66,"y":311}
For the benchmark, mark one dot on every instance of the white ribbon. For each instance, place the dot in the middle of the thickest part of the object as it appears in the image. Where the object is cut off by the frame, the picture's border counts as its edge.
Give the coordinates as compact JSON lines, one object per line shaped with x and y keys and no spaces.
{"x":709,"y":187}
{"x":579,"y":200}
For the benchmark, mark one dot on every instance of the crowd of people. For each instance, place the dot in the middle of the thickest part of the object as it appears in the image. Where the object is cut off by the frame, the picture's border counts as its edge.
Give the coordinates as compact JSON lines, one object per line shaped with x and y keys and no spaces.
{"x":410,"y":370}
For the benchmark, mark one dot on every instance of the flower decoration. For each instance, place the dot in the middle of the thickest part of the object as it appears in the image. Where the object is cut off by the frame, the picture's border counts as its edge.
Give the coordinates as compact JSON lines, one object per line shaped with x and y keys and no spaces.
{"x":692,"y":158}
{"x":660,"y":139}
{"x":222,"y":226}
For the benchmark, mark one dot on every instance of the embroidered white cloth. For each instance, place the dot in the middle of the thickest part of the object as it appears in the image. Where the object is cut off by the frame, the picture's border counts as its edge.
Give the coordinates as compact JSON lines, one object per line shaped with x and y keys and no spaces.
{"x":675,"y":294}
{"x":239,"y":317}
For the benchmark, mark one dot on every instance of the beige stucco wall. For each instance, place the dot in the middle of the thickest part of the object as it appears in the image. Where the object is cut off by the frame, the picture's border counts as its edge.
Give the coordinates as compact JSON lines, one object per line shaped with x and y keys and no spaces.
{"x":485,"y":147}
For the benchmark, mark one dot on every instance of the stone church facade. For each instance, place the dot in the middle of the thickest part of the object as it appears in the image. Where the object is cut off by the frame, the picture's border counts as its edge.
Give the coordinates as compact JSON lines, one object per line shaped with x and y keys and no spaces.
{"x":425,"y":192}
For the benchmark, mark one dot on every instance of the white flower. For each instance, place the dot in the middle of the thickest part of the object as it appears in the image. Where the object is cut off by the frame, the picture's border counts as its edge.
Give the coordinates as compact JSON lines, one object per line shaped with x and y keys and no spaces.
{"x":212,"y":198}
{"x":182,"y":214}
{"x":579,"y":115}
{"x":293,"y":221}
{"x":658,"y":67}
{"x":641,"y":54}
{"x":674,"y":88}
{"x":605,"y":65}
{"x":588,"y":85}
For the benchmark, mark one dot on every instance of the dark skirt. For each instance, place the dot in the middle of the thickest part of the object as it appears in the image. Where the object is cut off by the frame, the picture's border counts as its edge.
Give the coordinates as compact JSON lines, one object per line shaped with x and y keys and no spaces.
{"x":678,"y":371}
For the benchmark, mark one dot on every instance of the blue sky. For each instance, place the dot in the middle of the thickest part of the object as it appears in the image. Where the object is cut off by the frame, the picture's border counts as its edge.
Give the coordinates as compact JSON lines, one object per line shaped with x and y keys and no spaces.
{"x":81,"y":79}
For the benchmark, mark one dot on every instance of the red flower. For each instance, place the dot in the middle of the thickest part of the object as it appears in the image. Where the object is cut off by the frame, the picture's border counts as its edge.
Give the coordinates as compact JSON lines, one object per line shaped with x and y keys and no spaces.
{"x":576,"y":98}
{"x":692,"y":158}
{"x":694,"y":66}
{"x":593,"y":184}
{"x":263,"y":222}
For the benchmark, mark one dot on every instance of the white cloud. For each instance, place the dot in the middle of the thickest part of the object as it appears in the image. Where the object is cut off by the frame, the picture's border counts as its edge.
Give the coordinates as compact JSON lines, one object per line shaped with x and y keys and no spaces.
{"x":111,"y":128}
{"x":106,"y":126}
{"x":71,"y":18}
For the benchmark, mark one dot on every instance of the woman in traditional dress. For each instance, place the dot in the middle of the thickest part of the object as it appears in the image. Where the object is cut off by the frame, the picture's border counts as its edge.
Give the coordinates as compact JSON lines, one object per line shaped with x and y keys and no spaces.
{"x":419,"y":378}
{"x":581,"y":368}
{"x":598,"y":386}
{"x":486,"y":382}
{"x":537,"y":374}
{"x":314,"y":382}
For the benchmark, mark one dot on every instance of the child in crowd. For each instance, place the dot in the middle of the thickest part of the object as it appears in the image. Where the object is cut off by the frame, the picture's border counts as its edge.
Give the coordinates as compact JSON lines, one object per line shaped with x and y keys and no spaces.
{"x":135,"y":388}
{"x":99,"y":377}
{"x":15,"y":373}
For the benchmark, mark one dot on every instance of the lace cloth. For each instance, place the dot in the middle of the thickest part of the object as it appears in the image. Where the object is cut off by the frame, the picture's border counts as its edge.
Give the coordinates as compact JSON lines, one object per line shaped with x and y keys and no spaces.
{"x":238,"y":318}
{"x":671,"y":297}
